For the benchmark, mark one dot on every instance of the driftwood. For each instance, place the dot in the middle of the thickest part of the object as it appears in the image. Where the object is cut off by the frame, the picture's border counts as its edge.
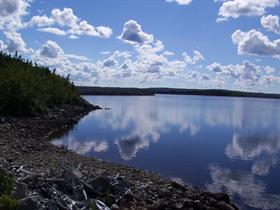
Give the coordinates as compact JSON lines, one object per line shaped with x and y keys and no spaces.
{"x":3,"y":159}
{"x":68,"y":192}
{"x":100,"y":205}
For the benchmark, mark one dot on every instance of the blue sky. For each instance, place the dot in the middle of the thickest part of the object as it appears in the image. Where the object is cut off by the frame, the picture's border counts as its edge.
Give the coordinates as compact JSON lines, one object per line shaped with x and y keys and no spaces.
{"x":232,"y":44}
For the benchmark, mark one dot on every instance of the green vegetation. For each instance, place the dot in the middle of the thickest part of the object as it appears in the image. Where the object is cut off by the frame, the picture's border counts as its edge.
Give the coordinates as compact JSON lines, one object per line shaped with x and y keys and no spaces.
{"x":6,"y":187}
{"x":84,"y":90}
{"x":6,"y":183}
{"x":173,"y":91}
{"x":27,"y":89}
{"x":8,"y":203}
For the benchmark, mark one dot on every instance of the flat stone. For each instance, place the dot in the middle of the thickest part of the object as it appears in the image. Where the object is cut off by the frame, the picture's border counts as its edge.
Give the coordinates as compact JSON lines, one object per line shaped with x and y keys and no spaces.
{"x":30,"y":203}
{"x":21,"y":191}
{"x":101,"y":184}
{"x":164,"y":193}
{"x":114,"y":207}
{"x":224,"y":206}
{"x":223,"y":197}
{"x":197,"y":205}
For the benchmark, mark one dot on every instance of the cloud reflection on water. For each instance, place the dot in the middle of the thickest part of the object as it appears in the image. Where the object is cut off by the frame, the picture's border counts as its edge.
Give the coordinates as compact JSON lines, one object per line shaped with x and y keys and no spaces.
{"x":83,"y":147}
{"x":138,"y":122}
{"x":249,"y":147}
{"x":244,"y":185}
{"x":128,"y":146}
{"x":262,"y":167}
{"x":145,"y":120}
{"x":259,"y":147}
{"x":252,"y":139}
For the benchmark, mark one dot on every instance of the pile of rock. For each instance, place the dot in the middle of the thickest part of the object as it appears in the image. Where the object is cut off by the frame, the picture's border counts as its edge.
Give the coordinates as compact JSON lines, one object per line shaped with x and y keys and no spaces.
{"x":67,"y":191}
{"x":70,"y":191}
{"x":53,"y":178}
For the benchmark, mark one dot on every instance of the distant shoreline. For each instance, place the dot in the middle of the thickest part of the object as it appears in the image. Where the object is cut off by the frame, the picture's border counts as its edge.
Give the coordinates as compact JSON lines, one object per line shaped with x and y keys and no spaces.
{"x":120,"y":91}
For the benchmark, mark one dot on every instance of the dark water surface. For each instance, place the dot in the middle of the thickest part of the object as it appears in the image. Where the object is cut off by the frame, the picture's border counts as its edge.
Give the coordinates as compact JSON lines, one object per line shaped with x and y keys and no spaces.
{"x":216,"y":143}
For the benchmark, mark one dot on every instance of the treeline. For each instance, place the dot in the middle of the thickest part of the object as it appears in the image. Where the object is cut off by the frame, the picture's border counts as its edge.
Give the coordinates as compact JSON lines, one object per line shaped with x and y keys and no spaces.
{"x":212,"y":92}
{"x":173,"y":91}
{"x":28,"y":89}
{"x":85,"y":90}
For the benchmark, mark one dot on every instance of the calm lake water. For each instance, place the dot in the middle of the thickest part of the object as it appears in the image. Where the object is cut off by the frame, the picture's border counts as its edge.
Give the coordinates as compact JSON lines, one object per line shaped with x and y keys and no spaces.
{"x":217,"y":143}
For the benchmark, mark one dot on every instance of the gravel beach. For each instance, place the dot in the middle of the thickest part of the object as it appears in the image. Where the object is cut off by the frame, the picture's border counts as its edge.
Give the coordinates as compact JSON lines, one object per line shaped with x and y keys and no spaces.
{"x":36,"y":164}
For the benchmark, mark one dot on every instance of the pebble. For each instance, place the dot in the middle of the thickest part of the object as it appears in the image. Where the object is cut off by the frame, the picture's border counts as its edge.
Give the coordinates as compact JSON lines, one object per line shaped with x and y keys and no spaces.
{"x":25,"y":142}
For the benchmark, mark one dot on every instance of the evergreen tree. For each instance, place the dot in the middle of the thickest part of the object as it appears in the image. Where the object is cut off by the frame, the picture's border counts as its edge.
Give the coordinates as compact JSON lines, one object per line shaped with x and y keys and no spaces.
{"x":27,"y":89}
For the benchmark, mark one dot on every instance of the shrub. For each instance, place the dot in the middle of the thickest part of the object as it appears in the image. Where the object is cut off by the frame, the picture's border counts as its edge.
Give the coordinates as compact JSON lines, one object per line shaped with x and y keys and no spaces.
{"x":6,"y":187}
{"x":6,"y":183}
{"x":8,"y":203}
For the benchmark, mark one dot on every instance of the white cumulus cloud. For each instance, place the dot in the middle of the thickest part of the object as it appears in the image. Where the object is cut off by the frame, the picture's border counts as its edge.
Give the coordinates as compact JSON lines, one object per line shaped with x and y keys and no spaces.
{"x":254,"y":42}
{"x":180,"y":2}
{"x":65,"y":17}
{"x":51,"y":30}
{"x":237,"y":8}
{"x":271,"y":23}
{"x":11,"y":13}
{"x":197,"y":56}
{"x":51,"y":50}
{"x":70,"y":24}
{"x":16,"y":43}
{"x":133,"y":34}
{"x":41,"y":21}
{"x":246,"y":74}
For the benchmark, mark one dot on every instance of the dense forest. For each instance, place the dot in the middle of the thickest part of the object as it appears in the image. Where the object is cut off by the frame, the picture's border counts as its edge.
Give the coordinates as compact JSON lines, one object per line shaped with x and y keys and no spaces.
{"x":85,"y":90}
{"x":28,"y":89}
{"x":173,"y":91}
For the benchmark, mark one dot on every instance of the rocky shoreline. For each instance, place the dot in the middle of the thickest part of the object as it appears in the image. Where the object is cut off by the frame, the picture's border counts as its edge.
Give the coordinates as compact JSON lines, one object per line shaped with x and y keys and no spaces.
{"x":50,"y":177}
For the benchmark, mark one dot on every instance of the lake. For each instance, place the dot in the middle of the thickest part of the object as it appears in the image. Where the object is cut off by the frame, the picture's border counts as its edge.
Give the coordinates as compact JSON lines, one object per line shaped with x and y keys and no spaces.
{"x":216,"y":143}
